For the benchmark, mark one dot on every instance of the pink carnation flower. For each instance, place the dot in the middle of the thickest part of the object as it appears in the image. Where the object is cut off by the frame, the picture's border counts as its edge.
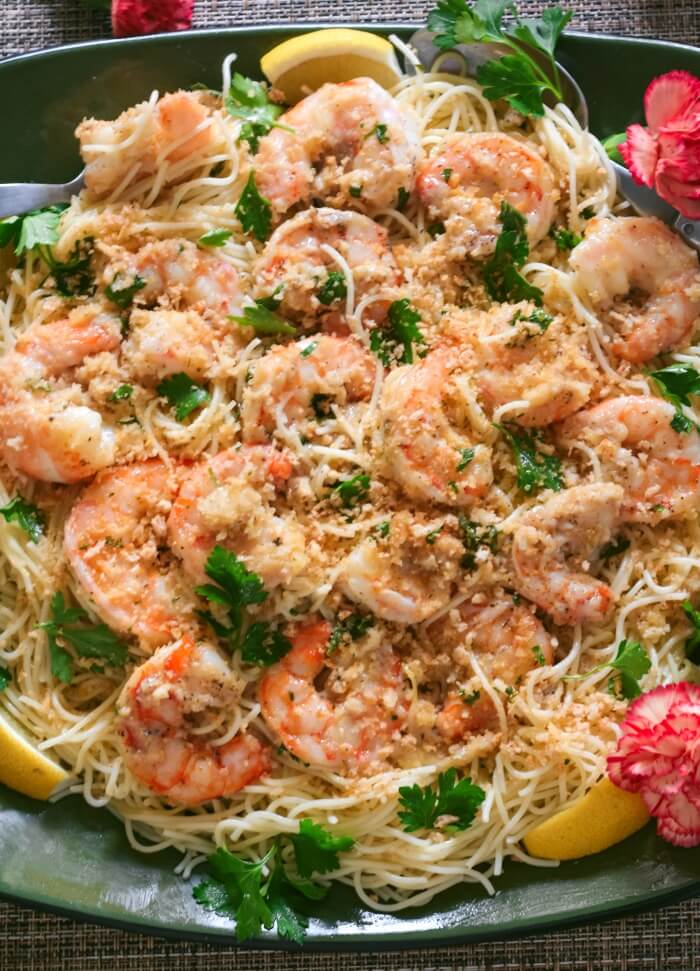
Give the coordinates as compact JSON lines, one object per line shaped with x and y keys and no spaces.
{"x":658,"y":756}
{"x":666,"y":155}
{"x":133,"y":17}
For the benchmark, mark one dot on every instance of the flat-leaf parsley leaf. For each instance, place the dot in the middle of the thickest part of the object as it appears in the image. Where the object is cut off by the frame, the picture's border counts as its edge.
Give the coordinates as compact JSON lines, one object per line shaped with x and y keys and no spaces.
{"x":71,"y":625}
{"x":253,"y":211}
{"x":27,"y":516}
{"x":183,"y":394}
{"x":423,"y":808}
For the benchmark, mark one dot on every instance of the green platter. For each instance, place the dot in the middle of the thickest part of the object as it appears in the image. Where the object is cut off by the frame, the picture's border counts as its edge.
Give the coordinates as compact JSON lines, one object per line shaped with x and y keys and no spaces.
{"x":75,"y":860}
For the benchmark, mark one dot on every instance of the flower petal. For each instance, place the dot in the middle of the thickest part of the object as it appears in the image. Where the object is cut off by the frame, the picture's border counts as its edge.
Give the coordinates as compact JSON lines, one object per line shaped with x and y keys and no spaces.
{"x":669,"y":96}
{"x":133,"y":17}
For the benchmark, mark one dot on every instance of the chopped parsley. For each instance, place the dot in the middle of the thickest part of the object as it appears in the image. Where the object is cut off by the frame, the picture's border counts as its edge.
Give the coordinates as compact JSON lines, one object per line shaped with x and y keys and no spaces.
{"x":456,"y":801}
{"x":501,"y":277}
{"x":70,"y":625}
{"x":309,"y":349}
{"x":538,"y":655}
{"x":334,"y":288}
{"x":248,"y":101}
{"x":471,"y":698}
{"x":475,"y":537}
{"x":436,"y":229}
{"x":123,"y":296}
{"x":692,"y":644}
{"x":122,"y":393}
{"x":518,"y":77}
{"x":630,"y":664}
{"x":253,"y":211}
{"x":5,"y":678}
{"x":402,"y":199}
{"x":74,"y":277}
{"x":381,"y":132}
{"x":395,"y":341}
{"x":183,"y":394}
{"x":266,"y":893}
{"x":382,"y":530}
{"x":264,"y":645}
{"x":431,"y":537}
{"x":27,"y":516}
{"x":32,"y":230}
{"x":614,"y":548}
{"x":676,"y":383}
{"x":466,"y":456}
{"x":353,"y":490}
{"x":446,"y":174}
{"x":356,"y":191}
{"x":349,"y":629}
{"x":535,"y":469}
{"x":565,"y":239}
{"x":215,"y":237}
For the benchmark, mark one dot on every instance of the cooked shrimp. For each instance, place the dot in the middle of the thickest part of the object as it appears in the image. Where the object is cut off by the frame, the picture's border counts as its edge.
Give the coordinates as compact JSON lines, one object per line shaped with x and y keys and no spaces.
{"x":163,"y":710}
{"x":406,"y":577}
{"x":528,"y":360}
{"x":551,"y":547}
{"x":429,"y":447}
{"x":113,"y":540}
{"x":47,"y":429}
{"x":227,"y":500}
{"x":468,"y":178}
{"x":138,"y":140}
{"x":351,"y":720}
{"x":165,"y":342}
{"x":177,"y":270}
{"x":632,"y":436}
{"x":296,"y":260}
{"x":507,"y":641}
{"x":352,"y":146}
{"x":645,"y":279}
{"x":289,"y":379}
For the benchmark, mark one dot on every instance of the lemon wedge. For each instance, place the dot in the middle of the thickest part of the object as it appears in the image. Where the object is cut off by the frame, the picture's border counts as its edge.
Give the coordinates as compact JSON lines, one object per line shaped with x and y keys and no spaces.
{"x":22,"y":766}
{"x":303,"y":64}
{"x":604,"y":816}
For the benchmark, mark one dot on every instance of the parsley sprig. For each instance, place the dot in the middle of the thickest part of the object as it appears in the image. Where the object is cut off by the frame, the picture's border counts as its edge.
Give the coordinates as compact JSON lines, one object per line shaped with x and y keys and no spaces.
{"x":262,"y":317}
{"x":676,"y":383}
{"x":235,"y":587}
{"x":27,"y":516}
{"x":73,"y":277}
{"x":501,"y":277}
{"x":456,"y":801}
{"x":333,"y":288}
{"x":351,"y":491}
{"x":248,"y":100}
{"x":266,"y":893}
{"x":253,"y":211}
{"x":351,"y":628}
{"x":32,"y":230}
{"x":183,"y":394}
{"x":71,"y":625}
{"x":395,"y":341}
{"x":123,"y":296}
{"x":215,"y":238}
{"x":534,"y":469}
{"x":630,"y":664}
{"x":517,"y":76}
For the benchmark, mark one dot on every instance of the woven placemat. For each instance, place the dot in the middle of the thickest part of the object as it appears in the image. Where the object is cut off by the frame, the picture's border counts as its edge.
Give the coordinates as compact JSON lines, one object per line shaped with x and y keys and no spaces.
{"x":667,"y":940}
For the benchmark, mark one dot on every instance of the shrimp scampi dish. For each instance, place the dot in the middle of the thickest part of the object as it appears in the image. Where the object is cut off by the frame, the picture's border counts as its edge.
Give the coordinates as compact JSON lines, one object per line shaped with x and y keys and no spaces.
{"x":344,"y":458}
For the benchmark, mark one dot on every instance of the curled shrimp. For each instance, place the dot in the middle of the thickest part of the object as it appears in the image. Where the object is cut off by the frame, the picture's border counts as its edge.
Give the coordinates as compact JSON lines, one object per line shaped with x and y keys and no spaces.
{"x":47,"y":429}
{"x":350,"y":145}
{"x":227,"y":500}
{"x":507,"y":640}
{"x":163,"y":713}
{"x":180,"y":272}
{"x":645,"y":279}
{"x":429,"y":446}
{"x":470,"y":175}
{"x":552,"y":544}
{"x":135,"y":142}
{"x":290,"y":379}
{"x":113,"y":541}
{"x":407,"y":576}
{"x":638,"y":448}
{"x":296,"y":261}
{"x":352,"y":721}
{"x":527,"y":363}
